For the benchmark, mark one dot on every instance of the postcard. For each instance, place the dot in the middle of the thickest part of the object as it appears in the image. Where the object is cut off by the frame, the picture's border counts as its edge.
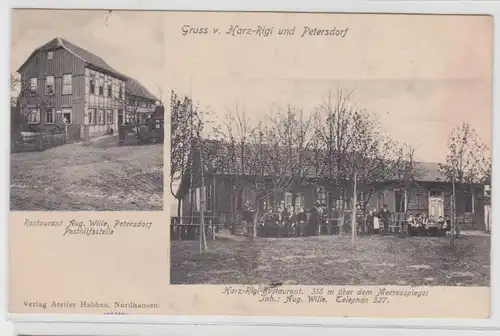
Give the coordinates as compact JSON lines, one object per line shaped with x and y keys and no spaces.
{"x":320,"y":164}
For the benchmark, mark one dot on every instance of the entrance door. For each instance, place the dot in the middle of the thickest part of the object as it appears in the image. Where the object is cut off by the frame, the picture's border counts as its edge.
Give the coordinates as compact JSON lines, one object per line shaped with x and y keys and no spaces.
{"x":436,"y":203}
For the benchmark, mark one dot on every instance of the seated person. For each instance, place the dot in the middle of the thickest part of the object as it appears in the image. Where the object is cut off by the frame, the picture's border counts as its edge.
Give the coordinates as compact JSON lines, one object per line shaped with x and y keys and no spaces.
{"x":432,"y":227}
{"x":441,"y":226}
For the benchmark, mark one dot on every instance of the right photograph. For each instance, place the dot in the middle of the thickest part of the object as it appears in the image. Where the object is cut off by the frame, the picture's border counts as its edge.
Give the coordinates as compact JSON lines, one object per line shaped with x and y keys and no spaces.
{"x":381,"y":180}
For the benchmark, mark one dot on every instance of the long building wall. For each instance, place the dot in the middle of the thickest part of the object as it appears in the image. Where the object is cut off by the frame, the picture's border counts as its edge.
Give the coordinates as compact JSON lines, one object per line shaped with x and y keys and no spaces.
{"x":102,"y":111}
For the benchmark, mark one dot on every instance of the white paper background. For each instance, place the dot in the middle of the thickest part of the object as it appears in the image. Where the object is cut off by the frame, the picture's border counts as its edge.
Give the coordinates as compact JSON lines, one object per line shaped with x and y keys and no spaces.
{"x":234,"y":325}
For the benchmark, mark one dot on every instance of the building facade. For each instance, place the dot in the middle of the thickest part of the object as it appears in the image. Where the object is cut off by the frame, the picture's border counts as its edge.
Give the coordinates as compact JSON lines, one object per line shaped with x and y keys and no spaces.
{"x":63,"y":84}
{"x":429,"y":194}
{"x":140,"y":104}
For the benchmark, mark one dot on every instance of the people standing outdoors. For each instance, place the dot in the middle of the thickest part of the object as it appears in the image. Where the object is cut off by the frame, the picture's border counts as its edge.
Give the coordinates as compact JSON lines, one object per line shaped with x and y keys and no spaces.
{"x":369,"y":222}
{"x":281,"y":220}
{"x":385,"y":216}
{"x":376,"y":222}
{"x":321,"y":217}
{"x":359,"y":218}
{"x":248,"y":214}
{"x":301,"y":223}
{"x":447,"y":221}
{"x":314,"y":217}
{"x":269,"y":223}
{"x":290,"y":222}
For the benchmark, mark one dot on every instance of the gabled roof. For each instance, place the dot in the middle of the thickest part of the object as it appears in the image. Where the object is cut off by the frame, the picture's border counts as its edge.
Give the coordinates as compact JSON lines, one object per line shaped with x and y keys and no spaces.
{"x":429,"y":172}
{"x":134,"y":88}
{"x":86,"y":56}
{"x":217,"y":162}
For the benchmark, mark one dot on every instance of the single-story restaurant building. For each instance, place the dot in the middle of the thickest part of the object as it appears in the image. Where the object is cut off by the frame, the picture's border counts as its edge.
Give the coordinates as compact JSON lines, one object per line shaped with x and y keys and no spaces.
{"x":429,"y":194}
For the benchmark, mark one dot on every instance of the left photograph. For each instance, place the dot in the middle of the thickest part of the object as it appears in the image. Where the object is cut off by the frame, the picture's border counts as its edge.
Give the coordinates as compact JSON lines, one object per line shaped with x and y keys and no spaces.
{"x":87,"y":113}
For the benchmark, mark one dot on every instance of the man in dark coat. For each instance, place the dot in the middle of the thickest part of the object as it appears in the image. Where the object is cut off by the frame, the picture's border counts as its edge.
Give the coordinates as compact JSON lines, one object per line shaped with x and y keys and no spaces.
{"x":385,"y":216}
{"x":269,"y":223}
{"x":369,"y":222}
{"x":301,"y":223}
{"x":281,"y":220}
{"x":314,"y":217}
{"x":248,"y":216}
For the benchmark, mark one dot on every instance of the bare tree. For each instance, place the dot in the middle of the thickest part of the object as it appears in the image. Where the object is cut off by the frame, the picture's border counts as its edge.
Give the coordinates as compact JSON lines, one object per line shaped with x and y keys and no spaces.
{"x":356,"y":150}
{"x":180,"y":141}
{"x":30,"y":103}
{"x":406,"y":174}
{"x":235,"y":133}
{"x":271,"y":167}
{"x":468,"y":161}
{"x":131,"y":112}
{"x":295,"y":132}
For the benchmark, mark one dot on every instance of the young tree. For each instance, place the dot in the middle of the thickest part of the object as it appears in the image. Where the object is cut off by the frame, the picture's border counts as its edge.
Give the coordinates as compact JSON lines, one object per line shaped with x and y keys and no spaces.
{"x":29,"y":101}
{"x":356,"y":150}
{"x":406,"y":173}
{"x":181,"y":133}
{"x":235,"y":133}
{"x":468,"y":161}
{"x":295,"y":132}
{"x":131,"y":112}
{"x":270,"y":167}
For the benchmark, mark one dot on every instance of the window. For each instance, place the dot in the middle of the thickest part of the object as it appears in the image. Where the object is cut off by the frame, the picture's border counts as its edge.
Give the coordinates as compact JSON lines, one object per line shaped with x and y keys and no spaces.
{"x":33,"y":85}
{"x":400,"y":201}
{"x":90,"y":117}
{"x":435,"y":193}
{"x":33,"y":115}
{"x":67,"y":115}
{"x":67,"y":84}
{"x":50,"y":55}
{"x":299,"y":202}
{"x":339,"y":202}
{"x":120,"y":117}
{"x":49,"y":85}
{"x":381,"y":198}
{"x":109,"y":117}
{"x":288,"y":199}
{"x":101,"y":86}
{"x":49,"y":115}
{"x":120,"y":91}
{"x":197,"y":199}
{"x":321,"y":196}
{"x":100,"y":117}
{"x":110,"y":88}
{"x":468,"y":202}
{"x":92,"y":86}
{"x":210,"y":197}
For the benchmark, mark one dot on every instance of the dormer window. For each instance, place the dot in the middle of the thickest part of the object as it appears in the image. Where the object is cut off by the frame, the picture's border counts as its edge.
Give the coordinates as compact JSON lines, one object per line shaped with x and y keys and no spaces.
{"x":50,"y":55}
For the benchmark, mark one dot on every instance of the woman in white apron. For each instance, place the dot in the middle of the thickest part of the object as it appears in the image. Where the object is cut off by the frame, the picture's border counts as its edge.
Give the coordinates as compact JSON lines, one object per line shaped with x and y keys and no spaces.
{"x":376,"y":222}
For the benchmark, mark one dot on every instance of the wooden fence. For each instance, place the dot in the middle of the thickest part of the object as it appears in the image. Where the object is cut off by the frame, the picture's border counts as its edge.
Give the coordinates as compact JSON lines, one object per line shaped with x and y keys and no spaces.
{"x":188,"y":228}
{"x":37,"y":142}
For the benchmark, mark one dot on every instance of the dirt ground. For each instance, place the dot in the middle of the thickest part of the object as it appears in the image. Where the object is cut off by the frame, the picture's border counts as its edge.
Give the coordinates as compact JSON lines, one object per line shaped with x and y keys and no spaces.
{"x":331,"y":260}
{"x":99,"y":176}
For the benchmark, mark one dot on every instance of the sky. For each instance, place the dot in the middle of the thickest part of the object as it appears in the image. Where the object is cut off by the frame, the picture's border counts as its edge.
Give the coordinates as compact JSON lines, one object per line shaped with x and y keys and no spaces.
{"x":130,"y":42}
{"x":422,"y":75}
